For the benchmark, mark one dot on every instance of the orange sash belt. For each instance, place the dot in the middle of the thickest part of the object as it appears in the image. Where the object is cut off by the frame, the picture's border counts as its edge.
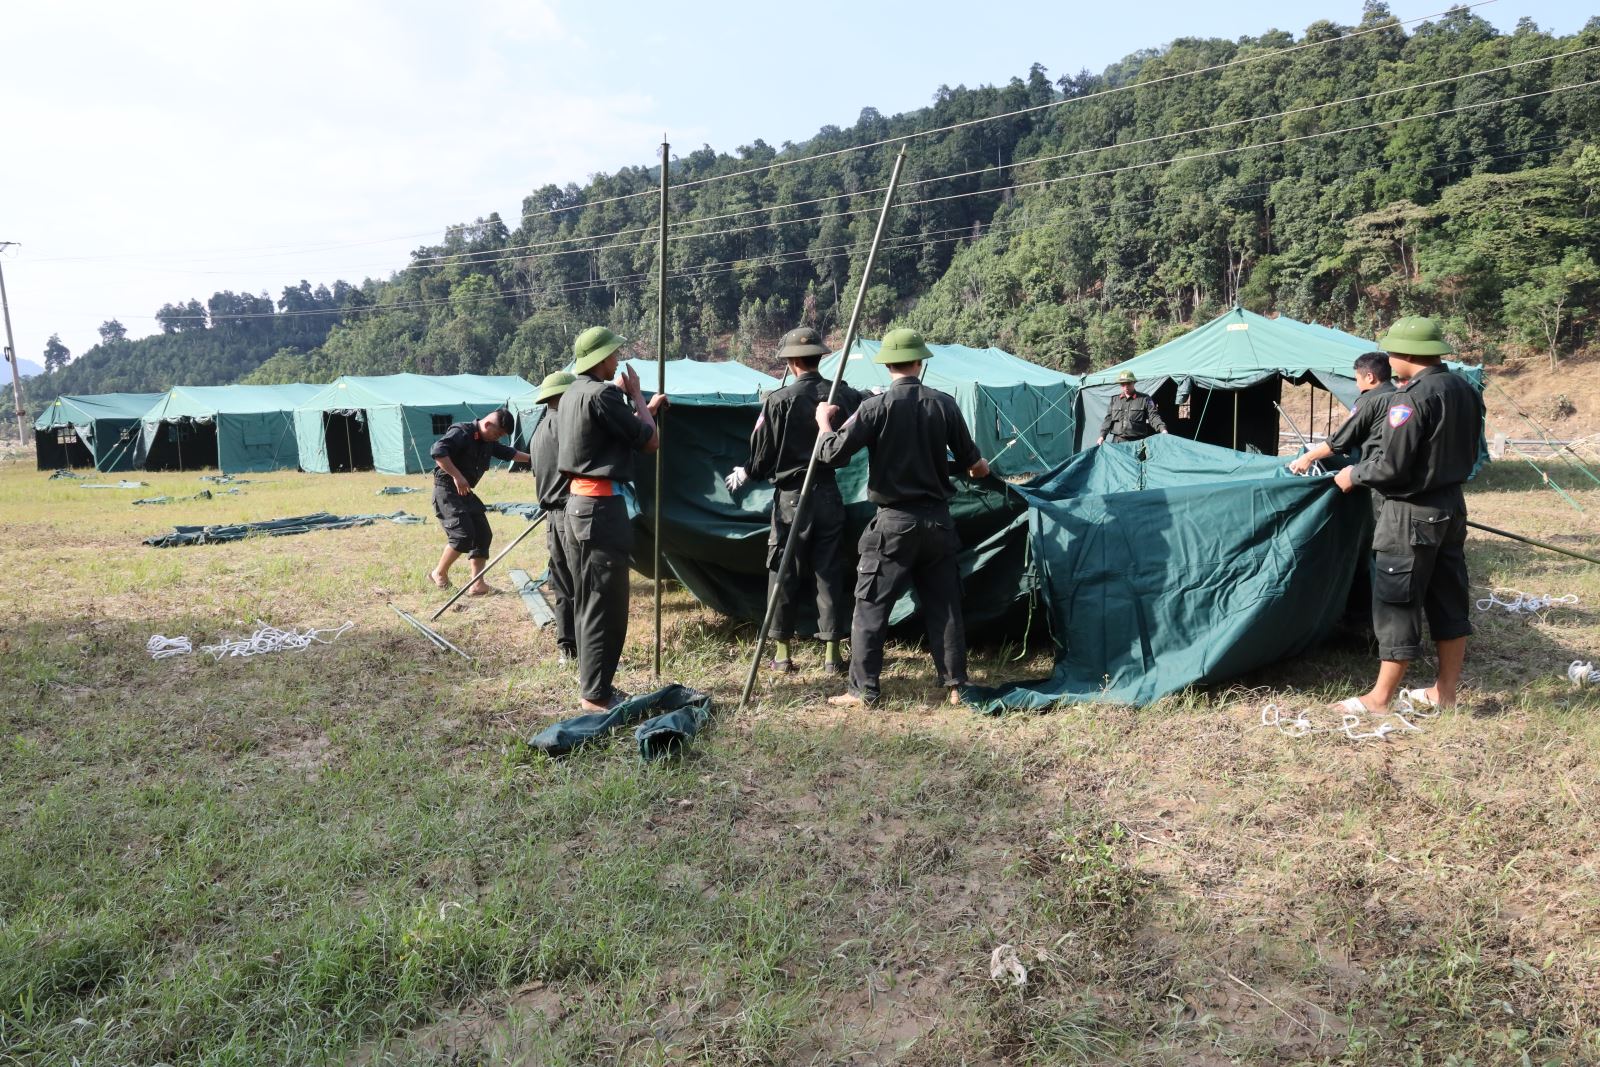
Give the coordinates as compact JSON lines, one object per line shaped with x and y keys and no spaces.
{"x":592,"y":486}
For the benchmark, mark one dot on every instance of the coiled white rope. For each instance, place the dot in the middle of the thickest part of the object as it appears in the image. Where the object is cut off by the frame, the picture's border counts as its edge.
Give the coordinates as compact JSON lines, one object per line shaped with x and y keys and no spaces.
{"x":268,"y":639}
{"x":1299,"y":724}
{"x":1523,"y":603}
{"x":162,"y":647}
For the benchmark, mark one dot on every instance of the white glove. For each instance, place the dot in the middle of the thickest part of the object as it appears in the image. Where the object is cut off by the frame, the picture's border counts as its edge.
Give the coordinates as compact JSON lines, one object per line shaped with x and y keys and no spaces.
{"x":737,"y":479}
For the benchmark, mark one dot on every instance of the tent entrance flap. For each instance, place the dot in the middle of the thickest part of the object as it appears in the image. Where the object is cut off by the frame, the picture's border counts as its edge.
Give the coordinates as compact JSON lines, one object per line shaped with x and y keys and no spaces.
{"x":348,"y":441}
{"x":1244,"y":419}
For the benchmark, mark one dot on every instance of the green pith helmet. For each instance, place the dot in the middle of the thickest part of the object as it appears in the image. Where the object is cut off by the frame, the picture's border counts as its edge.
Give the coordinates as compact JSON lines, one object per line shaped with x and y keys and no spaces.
{"x":902,"y":346}
{"x":1126,"y":378}
{"x":1415,"y":335}
{"x":593,"y":346}
{"x":554,"y":385}
{"x":801,"y":343}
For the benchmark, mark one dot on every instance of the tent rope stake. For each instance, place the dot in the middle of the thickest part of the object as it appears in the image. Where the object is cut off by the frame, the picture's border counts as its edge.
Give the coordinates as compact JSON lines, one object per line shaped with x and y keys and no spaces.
{"x":816,"y":448}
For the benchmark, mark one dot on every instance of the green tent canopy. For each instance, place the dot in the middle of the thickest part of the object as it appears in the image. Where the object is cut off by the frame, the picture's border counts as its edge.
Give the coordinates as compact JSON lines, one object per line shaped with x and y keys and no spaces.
{"x":1218,"y":382}
{"x":1168,"y":563}
{"x":388,"y":422}
{"x":1022,"y":415}
{"x":236,"y":428}
{"x":99,"y":431}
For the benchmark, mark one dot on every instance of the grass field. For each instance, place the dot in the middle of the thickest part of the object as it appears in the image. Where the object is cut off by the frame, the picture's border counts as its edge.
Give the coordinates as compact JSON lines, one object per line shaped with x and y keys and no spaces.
{"x":349,"y":854}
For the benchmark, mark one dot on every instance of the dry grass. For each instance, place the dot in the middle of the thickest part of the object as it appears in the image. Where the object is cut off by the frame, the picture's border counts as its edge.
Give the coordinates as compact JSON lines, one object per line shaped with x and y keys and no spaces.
{"x":349,"y":855}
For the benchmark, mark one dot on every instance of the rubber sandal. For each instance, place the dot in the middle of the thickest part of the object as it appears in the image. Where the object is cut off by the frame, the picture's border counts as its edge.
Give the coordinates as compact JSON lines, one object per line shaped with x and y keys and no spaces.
{"x":1418,"y":698}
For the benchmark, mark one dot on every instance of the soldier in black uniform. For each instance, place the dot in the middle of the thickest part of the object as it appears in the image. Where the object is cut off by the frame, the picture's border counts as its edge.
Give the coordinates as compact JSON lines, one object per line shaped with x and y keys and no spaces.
{"x":1365,"y":427}
{"x":460,"y":459}
{"x":602,"y":426}
{"x":552,"y":487}
{"x":910,"y":432}
{"x":1131,"y":416}
{"x":780,"y":450}
{"x":1430,"y":446}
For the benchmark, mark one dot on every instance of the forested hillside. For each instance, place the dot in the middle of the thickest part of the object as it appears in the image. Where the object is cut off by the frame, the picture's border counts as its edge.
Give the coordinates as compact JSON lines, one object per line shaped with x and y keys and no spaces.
{"x":1343,"y":176}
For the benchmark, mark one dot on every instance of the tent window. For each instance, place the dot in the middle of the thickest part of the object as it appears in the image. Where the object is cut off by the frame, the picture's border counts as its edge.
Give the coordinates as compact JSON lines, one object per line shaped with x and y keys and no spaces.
{"x":67,"y":435}
{"x":441,"y":423}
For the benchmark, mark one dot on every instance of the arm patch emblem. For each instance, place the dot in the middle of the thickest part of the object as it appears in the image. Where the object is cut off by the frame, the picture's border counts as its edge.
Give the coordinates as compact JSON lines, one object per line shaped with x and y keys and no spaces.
{"x":1398,"y":414}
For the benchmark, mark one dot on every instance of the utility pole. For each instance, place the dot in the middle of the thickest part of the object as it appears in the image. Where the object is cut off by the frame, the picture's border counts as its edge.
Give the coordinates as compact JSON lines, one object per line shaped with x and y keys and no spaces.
{"x":11,"y":354}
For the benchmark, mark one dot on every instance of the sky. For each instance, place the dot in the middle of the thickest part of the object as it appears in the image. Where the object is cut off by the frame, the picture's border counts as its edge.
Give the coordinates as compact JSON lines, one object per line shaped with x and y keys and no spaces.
{"x":161,"y":151}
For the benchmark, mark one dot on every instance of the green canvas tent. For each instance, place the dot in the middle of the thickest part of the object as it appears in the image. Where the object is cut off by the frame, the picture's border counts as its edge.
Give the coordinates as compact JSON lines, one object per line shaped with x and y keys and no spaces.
{"x":99,"y":431}
{"x":1022,"y":415}
{"x":1218,"y":382}
{"x":1169,"y":563}
{"x":236,"y":428}
{"x":388,"y":422}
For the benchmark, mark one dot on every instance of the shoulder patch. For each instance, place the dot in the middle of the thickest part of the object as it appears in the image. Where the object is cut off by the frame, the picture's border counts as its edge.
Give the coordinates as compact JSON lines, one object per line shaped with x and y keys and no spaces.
{"x":1398,"y":414}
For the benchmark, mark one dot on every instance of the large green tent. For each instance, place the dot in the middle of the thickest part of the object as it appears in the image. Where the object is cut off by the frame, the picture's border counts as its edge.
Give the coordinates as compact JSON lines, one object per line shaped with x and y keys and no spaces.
{"x":1170,"y":563}
{"x":99,"y":431}
{"x":388,"y":422}
{"x":1022,"y":415}
{"x":236,"y":428}
{"x":1218,"y":383}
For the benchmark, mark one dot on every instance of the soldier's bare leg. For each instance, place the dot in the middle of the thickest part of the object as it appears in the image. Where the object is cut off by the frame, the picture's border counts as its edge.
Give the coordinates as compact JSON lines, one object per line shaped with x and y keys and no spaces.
{"x":440,"y":575}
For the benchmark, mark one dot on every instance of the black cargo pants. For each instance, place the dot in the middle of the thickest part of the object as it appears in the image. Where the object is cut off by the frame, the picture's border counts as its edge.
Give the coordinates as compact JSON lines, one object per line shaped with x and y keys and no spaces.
{"x":816,"y":560}
{"x":560,"y":582}
{"x":598,"y":546}
{"x":1420,"y":570}
{"x":908,"y":547}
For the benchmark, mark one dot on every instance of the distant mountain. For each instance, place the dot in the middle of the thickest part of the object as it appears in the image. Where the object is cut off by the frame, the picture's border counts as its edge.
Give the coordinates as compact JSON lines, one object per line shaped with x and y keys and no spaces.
{"x":27,"y":366}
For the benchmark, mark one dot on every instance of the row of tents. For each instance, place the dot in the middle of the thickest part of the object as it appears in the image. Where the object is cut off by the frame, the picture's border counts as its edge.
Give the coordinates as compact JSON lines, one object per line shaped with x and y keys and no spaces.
{"x":1218,"y":384}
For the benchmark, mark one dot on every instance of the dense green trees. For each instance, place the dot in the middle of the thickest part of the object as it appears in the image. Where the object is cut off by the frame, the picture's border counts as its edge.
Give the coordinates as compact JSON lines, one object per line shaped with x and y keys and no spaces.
{"x":1344,"y":177}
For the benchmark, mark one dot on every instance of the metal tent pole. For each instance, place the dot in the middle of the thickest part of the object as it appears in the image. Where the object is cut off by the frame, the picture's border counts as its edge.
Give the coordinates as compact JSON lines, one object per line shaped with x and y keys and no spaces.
{"x":816,"y":448}
{"x":661,"y":390}
{"x":11,"y":354}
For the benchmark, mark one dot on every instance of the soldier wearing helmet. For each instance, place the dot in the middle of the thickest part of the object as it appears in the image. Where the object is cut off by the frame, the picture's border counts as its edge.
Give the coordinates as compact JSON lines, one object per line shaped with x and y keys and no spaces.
{"x":1131,"y":416}
{"x":1430,"y":446}
{"x":603,"y":425}
{"x":911,"y":433}
{"x":780,"y":451}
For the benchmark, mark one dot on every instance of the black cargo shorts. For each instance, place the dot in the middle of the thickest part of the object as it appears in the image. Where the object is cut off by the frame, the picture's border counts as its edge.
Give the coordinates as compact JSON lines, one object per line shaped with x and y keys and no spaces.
{"x":465,"y":522}
{"x":1420,"y":571}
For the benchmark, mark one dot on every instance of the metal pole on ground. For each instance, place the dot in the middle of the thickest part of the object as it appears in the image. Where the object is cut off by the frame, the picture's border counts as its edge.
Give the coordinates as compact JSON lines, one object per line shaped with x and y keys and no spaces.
{"x":475,"y":579}
{"x":661,"y":390}
{"x":1547,"y":546}
{"x":816,"y":449}
{"x":11,"y":355}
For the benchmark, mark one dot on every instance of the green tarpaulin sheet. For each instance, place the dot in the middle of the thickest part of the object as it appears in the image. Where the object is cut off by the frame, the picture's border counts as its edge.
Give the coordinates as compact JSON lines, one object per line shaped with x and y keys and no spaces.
{"x":388,"y":422}
{"x":99,"y":431}
{"x":233,"y":427}
{"x":1171,"y":563}
{"x":667,"y":720}
{"x":1022,"y":415}
{"x":296,"y":524}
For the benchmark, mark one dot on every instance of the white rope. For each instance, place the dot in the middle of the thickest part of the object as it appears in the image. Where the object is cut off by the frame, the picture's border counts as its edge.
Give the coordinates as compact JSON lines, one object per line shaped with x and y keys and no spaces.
{"x":1523,"y":603}
{"x":268,"y":639}
{"x":1299,"y":724}
{"x":162,"y":647}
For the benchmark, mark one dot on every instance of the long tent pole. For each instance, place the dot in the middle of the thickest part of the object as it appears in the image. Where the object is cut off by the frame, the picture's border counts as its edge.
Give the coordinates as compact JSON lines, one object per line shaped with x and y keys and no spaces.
{"x":661,"y":390}
{"x":11,"y":355}
{"x":816,"y":448}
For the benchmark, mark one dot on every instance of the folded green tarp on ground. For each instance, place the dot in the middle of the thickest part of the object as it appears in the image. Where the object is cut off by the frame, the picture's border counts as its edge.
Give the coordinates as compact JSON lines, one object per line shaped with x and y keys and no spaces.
{"x":671,"y":717}
{"x":298,"y":524}
{"x":1169,"y":563}
{"x":204,"y":494}
{"x":507,"y":507}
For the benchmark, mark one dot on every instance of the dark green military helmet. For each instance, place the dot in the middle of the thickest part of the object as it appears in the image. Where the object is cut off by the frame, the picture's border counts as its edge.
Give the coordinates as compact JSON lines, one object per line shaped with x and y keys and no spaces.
{"x":1126,"y":377}
{"x":1415,"y":335}
{"x":593,"y":346}
{"x":554,"y":385}
{"x":801,"y":343}
{"x":902,"y":346}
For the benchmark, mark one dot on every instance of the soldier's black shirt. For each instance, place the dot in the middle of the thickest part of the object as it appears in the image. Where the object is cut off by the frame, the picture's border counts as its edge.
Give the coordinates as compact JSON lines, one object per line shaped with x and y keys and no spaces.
{"x":1132,"y":418}
{"x":909,"y":430}
{"x":780,"y":446}
{"x":1430,"y":438}
{"x":544,"y":451}
{"x":1365,"y":427}
{"x":468,"y":450}
{"x":598,"y":432}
